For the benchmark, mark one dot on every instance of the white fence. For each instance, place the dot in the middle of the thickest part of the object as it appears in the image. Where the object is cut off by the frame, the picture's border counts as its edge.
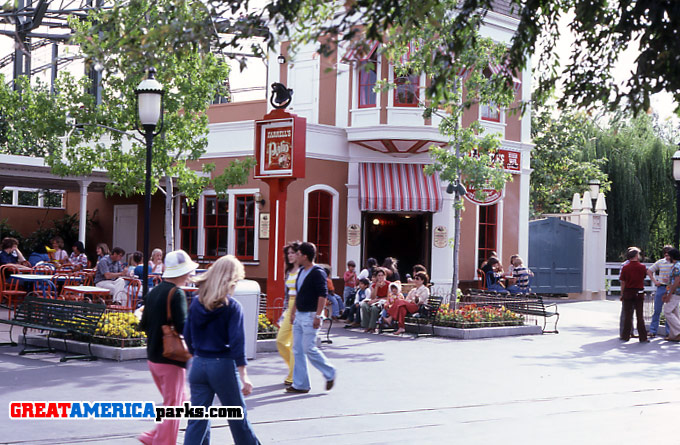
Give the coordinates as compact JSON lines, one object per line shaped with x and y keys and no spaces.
{"x":613,"y":285}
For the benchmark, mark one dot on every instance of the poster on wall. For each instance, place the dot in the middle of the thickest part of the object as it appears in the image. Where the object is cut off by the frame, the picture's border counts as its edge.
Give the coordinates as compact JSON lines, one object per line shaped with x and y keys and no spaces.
{"x":441,"y":237}
{"x":353,"y":235}
{"x":264,"y":226}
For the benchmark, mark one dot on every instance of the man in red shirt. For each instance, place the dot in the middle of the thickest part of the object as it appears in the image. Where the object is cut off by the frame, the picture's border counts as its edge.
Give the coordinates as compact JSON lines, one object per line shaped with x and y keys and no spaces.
{"x":632,"y":286}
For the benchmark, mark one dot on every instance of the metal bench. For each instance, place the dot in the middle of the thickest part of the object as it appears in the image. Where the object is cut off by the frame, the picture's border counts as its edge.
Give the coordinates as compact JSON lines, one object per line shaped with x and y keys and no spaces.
{"x":62,"y":317}
{"x":525,"y":304}
{"x":427,"y":314}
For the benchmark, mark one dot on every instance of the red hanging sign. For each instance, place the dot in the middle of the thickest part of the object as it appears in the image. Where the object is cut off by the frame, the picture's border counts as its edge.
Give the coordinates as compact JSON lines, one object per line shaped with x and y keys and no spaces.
{"x":280,"y":146}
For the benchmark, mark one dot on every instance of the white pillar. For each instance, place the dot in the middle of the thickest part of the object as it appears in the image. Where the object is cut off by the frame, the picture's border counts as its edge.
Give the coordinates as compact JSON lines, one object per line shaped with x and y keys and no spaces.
{"x":594,"y":246}
{"x":82,"y":224}
{"x":442,"y":257}
{"x":353,"y":214}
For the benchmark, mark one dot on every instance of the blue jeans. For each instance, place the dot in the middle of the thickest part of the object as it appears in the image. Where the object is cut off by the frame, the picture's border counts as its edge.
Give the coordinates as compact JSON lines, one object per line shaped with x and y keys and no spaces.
{"x":658,"y":306}
{"x":348,"y":292}
{"x":304,"y":347}
{"x":210,"y":376}
{"x":336,"y":303}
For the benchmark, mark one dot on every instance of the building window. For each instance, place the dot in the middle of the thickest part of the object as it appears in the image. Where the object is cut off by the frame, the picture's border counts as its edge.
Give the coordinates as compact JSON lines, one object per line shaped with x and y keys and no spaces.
{"x":368,"y":74}
{"x":407,"y":92}
{"x":488,"y":222}
{"x":52,"y":199}
{"x":319,"y":224}
{"x":8,"y":197}
{"x":244,"y":227}
{"x":490,"y":112}
{"x":188,"y":227}
{"x":25,"y":197}
{"x":216,"y":225}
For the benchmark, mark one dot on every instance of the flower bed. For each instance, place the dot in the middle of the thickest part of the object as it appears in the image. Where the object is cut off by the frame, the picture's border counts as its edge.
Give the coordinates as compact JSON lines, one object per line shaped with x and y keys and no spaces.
{"x":115,"y":328}
{"x":473,"y":316}
{"x":265,"y":329}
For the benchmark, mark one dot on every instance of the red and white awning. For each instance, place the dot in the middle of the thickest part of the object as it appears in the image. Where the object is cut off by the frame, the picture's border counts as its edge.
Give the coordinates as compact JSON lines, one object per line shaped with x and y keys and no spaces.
{"x":361,"y":51}
{"x":398,"y":188}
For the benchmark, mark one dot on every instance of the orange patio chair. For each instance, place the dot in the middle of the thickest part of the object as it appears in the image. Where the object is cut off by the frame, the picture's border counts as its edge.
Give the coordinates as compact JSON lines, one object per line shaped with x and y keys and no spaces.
{"x":9,"y":288}
{"x":133,"y":289}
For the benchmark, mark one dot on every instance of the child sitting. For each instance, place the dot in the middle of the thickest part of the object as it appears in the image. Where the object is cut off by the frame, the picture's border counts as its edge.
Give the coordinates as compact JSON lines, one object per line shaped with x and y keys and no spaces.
{"x":334,"y":300}
{"x":393,"y":297}
{"x":521,"y":275}
{"x":354,"y":314}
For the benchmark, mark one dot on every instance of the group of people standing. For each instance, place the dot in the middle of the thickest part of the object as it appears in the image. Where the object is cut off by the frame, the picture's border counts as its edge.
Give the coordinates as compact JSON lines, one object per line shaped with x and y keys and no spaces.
{"x":214,"y":332}
{"x":665,"y":274}
{"x":305,"y":300}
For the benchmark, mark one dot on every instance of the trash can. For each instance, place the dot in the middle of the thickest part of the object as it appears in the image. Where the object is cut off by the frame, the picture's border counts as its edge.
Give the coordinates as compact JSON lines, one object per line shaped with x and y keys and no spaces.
{"x":247,"y":293}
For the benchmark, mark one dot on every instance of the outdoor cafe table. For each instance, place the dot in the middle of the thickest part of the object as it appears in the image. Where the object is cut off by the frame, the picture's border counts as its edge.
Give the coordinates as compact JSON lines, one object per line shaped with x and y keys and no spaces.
{"x":81,"y":291}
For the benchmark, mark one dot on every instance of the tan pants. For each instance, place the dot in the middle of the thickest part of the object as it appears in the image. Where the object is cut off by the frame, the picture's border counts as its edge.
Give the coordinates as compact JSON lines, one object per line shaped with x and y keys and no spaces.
{"x":284,"y":340}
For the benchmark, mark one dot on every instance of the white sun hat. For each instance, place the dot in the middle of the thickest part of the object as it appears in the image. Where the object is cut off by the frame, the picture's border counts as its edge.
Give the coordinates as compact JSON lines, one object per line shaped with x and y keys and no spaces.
{"x":178,"y":263}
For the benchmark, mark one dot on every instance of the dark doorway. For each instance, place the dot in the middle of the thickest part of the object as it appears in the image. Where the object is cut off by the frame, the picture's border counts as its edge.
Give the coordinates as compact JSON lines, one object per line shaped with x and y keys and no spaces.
{"x":404,"y":236}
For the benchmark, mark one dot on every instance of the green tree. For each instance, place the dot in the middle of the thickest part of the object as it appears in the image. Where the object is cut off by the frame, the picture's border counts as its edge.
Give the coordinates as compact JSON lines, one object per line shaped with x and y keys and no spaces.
{"x":76,"y":133}
{"x":560,"y":160}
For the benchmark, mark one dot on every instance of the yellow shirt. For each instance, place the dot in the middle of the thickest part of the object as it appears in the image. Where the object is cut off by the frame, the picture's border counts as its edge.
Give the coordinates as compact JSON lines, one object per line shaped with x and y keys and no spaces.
{"x":292,"y":289}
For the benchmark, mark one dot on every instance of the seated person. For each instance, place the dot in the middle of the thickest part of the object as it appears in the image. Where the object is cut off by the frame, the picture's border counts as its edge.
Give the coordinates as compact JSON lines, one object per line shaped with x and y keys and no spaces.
{"x":78,"y":259}
{"x":59,"y":256}
{"x":354,"y":314}
{"x":415,"y":299}
{"x":393,"y":299}
{"x":136,"y":268}
{"x":110,"y":275}
{"x":39,"y":255}
{"x":333,"y":299}
{"x":370,"y":309}
{"x":156,"y":264}
{"x":10,"y":253}
{"x":417,"y":268}
{"x":494,"y":276}
{"x":521,"y":275}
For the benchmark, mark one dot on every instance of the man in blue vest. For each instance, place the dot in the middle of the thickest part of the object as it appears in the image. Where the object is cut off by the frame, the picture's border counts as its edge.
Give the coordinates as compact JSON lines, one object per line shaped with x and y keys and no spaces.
{"x":310,"y":301}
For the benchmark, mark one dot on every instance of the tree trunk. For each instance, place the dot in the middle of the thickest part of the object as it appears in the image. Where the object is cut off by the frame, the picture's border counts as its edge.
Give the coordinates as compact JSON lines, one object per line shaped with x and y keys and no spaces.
{"x":456,"y":247}
{"x":169,"y":220}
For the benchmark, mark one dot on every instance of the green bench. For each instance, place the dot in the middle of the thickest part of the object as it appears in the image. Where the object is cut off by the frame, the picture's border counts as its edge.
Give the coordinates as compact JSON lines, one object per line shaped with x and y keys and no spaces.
{"x":61,"y":317}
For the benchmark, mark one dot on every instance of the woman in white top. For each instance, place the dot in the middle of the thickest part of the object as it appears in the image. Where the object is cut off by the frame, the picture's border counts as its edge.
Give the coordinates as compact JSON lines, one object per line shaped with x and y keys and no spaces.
{"x":284,"y":338}
{"x":59,"y":254}
{"x":156,"y":262}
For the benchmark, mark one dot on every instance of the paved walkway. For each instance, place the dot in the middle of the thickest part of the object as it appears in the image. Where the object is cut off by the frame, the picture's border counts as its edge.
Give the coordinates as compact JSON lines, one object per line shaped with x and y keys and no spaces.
{"x":582,"y":386}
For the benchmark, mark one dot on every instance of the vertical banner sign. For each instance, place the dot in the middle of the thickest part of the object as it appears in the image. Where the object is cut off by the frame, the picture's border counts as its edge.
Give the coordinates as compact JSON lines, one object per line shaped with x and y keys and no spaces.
{"x":280,"y":154}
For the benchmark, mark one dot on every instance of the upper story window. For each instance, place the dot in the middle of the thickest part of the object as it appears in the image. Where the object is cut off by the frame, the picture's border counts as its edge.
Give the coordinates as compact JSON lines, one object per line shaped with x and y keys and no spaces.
{"x":25,"y":197}
{"x":490,"y":112}
{"x":367,"y":71}
{"x":407,"y":92}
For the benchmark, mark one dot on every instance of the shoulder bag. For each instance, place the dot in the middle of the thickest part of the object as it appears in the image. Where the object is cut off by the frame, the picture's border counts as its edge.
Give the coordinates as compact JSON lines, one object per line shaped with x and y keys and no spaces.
{"x":174,"y":347}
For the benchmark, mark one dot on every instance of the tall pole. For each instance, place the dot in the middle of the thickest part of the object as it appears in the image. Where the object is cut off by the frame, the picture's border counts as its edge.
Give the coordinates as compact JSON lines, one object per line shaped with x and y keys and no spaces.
{"x":677,"y":214}
{"x":148,"y":134}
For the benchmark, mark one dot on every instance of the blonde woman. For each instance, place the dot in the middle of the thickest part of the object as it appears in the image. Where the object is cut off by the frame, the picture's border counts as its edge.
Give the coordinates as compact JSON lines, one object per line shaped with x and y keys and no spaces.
{"x":284,"y":338}
{"x":156,"y":262}
{"x":215,"y":335}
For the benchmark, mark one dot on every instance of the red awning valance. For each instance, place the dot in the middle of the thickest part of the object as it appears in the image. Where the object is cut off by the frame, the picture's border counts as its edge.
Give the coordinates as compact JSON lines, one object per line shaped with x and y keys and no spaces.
{"x":398,"y":187}
{"x":358,"y":53}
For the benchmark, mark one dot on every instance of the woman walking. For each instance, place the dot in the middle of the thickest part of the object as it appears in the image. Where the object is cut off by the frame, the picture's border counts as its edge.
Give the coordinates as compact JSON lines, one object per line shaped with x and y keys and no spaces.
{"x":284,"y":338}
{"x":169,"y":375}
{"x":215,"y":335}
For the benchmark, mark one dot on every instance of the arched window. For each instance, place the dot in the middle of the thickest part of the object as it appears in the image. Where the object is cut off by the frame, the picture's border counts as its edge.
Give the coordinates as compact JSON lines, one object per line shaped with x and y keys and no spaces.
{"x":320,"y":223}
{"x":488,"y":230}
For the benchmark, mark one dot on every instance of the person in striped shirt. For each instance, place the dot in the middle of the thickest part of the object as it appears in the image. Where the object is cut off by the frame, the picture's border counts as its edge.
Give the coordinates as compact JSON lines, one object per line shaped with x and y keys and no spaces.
{"x":284,"y":338}
{"x":659,"y":273}
{"x":521,"y":275}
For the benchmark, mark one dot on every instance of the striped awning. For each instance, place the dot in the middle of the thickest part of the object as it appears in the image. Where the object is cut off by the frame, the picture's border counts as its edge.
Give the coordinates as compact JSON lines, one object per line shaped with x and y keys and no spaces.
{"x":398,"y":187}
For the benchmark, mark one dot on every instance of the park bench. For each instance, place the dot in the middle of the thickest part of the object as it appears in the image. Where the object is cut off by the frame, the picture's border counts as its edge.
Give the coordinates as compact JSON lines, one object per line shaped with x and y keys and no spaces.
{"x":61,"y":317}
{"x":524,"y":304}
{"x":427,"y":314}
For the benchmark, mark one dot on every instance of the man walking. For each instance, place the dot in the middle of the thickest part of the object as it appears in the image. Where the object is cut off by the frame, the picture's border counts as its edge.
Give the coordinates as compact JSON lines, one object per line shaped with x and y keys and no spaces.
{"x":310,"y":301}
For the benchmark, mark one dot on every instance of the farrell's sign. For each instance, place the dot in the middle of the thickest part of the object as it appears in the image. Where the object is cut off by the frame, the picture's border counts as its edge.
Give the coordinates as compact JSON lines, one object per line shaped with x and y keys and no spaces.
{"x":280,"y":146}
{"x":491,"y":196}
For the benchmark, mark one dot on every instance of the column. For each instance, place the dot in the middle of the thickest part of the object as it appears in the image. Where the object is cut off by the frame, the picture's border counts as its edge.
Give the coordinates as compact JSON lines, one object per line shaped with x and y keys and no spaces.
{"x":82,"y":224}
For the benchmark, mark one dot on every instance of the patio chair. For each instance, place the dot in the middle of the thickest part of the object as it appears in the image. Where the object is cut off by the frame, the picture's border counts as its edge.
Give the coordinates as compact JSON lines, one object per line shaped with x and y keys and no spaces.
{"x":133,"y":288}
{"x":10,"y":292}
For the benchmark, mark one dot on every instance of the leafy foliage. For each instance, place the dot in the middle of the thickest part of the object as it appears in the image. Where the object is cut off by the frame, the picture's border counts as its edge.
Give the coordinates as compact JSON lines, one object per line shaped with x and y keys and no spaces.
{"x":560,"y":161}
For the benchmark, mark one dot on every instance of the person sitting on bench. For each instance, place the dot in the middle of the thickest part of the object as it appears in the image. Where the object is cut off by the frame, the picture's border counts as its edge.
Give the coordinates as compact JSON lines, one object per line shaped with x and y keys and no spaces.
{"x":417,"y":297}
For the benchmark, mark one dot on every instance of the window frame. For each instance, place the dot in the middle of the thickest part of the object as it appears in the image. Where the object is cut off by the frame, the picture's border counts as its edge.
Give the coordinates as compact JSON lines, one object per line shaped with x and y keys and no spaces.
{"x":41,"y":197}
{"x":361,"y":87}
{"x":316,"y":221}
{"x":484,"y":224}
{"x":182,"y":228}
{"x":400,"y":82}
{"x":237,"y":226}
{"x":215,"y":226}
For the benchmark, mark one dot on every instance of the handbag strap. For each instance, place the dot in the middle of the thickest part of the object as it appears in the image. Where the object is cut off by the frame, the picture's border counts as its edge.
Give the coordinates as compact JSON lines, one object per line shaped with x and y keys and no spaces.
{"x":170,"y":294}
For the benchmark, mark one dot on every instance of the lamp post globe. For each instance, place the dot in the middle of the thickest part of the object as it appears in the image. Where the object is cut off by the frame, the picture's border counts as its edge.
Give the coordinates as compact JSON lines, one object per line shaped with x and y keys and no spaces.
{"x":676,"y":176}
{"x":150,"y":117}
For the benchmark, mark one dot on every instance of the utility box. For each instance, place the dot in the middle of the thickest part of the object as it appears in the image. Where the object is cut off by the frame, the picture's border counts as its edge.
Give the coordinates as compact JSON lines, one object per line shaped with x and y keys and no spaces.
{"x":247,"y":293}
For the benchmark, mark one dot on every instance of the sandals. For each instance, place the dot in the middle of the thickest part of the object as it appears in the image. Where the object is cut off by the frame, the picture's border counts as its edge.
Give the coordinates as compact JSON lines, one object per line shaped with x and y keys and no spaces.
{"x":399,"y":331}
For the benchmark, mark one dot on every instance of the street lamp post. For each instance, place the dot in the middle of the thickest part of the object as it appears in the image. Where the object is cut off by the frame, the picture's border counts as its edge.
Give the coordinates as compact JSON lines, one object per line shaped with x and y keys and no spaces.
{"x":676,"y":176}
{"x":149,"y":112}
{"x":594,"y":187}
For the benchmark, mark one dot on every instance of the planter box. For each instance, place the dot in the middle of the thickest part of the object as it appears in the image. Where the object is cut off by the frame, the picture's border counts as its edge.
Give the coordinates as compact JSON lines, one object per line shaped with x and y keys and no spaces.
{"x":473,"y":333}
{"x":268,"y":345}
{"x":79,"y":347}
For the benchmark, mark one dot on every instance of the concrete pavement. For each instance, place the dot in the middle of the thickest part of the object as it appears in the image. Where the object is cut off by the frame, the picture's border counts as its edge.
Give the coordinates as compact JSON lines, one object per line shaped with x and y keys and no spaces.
{"x":582,"y":385}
